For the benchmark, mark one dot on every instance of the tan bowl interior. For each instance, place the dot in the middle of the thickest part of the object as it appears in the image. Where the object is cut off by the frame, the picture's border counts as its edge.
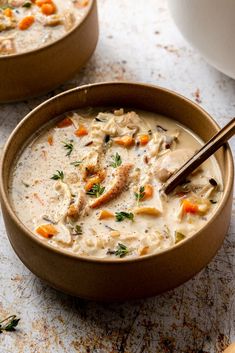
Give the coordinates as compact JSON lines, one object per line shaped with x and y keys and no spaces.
{"x":126,"y":278}
{"x":36,"y":72}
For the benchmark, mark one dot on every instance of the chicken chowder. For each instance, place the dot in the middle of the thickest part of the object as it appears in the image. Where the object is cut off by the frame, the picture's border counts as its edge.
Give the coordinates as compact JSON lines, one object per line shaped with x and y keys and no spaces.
{"x":30,"y":24}
{"x":90,"y":183}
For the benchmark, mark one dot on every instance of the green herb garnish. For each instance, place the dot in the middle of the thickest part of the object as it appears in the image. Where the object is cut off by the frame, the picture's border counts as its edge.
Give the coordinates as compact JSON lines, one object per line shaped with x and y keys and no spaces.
{"x":178,"y":237}
{"x":76,"y":163}
{"x":9,"y":324}
{"x":96,"y":190}
{"x":58,"y":176}
{"x":77,"y":230}
{"x":27,"y":4}
{"x":121,"y":250}
{"x":117,"y":160}
{"x":120,"y":216}
{"x":140,"y":195}
{"x":69,"y":147}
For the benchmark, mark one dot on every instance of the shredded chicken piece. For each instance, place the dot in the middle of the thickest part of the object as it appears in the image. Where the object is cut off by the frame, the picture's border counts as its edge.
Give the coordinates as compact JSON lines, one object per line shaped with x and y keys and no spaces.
{"x":77,"y":207}
{"x":171,"y":162}
{"x":58,"y":209}
{"x":120,"y":181}
{"x":69,"y":20}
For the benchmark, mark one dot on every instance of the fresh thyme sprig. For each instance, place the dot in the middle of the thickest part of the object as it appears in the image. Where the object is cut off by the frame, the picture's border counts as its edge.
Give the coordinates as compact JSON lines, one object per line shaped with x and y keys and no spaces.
{"x":120,"y":216}
{"x":76,"y":163}
{"x":96,"y":190}
{"x":121,"y":250}
{"x":77,"y":230}
{"x":9,"y":323}
{"x":140,"y":195}
{"x":58,"y":176}
{"x":117,"y":160}
{"x":69,"y":147}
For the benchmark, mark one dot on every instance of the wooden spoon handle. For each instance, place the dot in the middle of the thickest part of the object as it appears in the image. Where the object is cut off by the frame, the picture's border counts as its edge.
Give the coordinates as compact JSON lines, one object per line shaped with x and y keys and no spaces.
{"x":205,"y":152}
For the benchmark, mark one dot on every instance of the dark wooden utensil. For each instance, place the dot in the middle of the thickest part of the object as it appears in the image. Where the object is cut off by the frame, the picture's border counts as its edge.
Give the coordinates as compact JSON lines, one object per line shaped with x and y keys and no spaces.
{"x":205,"y":152}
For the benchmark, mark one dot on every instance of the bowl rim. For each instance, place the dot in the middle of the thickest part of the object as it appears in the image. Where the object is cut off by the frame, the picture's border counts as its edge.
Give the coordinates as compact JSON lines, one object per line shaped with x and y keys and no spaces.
{"x":65,"y":253}
{"x":53,"y":43}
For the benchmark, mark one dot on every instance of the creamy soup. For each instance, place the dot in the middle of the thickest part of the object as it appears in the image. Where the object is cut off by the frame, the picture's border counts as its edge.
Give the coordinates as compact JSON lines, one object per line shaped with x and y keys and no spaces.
{"x":90,"y":183}
{"x":30,"y":24}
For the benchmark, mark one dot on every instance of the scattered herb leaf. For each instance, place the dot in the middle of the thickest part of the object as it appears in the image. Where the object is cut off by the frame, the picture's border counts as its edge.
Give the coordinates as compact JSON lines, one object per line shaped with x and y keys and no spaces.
{"x":96,"y":190}
{"x":140,"y":195}
{"x":77,"y":230}
{"x":117,"y":160}
{"x":58,"y":176}
{"x":120,"y":216}
{"x":121,"y":250}
{"x":9,"y":324}
{"x":178,"y":237}
{"x":69,"y":147}
{"x":27,"y":4}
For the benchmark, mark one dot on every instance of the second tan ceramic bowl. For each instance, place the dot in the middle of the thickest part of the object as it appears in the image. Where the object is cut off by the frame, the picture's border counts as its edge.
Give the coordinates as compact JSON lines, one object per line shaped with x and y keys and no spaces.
{"x":35,"y":72}
{"x":105,"y":279}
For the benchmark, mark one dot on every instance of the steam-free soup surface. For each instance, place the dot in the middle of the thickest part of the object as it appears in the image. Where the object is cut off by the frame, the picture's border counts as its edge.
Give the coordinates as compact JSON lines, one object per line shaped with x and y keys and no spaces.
{"x":30,"y":24}
{"x":90,"y":183}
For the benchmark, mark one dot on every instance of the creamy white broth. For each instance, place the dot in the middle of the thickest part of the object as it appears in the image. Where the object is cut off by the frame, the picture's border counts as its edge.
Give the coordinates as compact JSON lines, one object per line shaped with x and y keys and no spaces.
{"x":45,"y":29}
{"x":151,"y":224}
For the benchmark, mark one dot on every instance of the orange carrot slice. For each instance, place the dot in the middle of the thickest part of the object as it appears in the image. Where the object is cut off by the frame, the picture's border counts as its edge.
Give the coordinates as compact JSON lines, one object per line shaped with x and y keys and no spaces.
{"x":148,"y":191}
{"x":81,"y":131}
{"x":64,"y":123}
{"x":47,"y":230}
{"x":125,"y":141}
{"x":48,"y":9}
{"x":8,"y":12}
{"x":26,"y":22}
{"x":143,"y":139}
{"x":189,"y":207}
{"x":50,"y":140}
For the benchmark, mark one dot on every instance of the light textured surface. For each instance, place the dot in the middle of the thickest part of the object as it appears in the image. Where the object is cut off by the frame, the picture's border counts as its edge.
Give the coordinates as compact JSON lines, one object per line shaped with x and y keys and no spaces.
{"x":139,"y":42}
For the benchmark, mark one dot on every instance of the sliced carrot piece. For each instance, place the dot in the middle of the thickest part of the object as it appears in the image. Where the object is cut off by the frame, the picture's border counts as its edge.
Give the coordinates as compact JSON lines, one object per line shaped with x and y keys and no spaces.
{"x":81,"y":131}
{"x":189,"y":207}
{"x":64,"y":123}
{"x":47,"y":230}
{"x":26,"y":22}
{"x":50,"y":140}
{"x":148,"y":191}
{"x":104,"y":214}
{"x":8,"y":12}
{"x":143,"y":139}
{"x":144,"y":251}
{"x":125,"y":141}
{"x":48,"y":9}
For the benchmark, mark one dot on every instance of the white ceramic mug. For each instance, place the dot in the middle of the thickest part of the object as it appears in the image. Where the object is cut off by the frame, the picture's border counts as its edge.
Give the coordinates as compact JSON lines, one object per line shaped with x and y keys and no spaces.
{"x":209,"y":25}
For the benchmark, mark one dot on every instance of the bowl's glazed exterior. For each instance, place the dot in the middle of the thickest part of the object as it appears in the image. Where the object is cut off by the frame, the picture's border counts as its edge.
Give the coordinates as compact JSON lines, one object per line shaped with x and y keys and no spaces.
{"x":104,"y":279}
{"x":35,"y":72}
{"x":209,"y":26}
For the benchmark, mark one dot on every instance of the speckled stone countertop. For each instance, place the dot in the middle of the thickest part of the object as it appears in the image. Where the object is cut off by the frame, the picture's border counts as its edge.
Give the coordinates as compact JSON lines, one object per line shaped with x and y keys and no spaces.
{"x":139,"y":42}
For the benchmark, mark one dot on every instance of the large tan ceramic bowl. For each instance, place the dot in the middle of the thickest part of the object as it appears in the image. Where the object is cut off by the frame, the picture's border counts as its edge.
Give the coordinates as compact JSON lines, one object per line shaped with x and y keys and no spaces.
{"x":105,"y":279}
{"x":35,"y":72}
